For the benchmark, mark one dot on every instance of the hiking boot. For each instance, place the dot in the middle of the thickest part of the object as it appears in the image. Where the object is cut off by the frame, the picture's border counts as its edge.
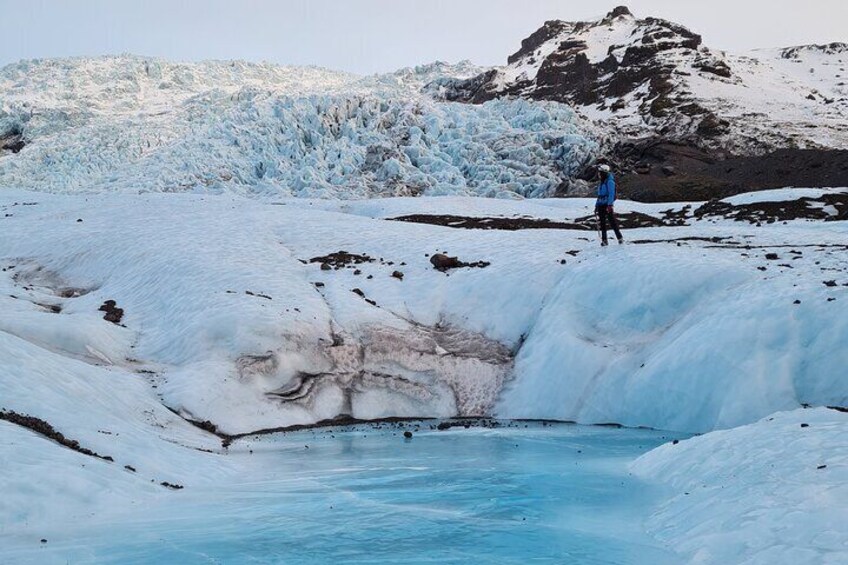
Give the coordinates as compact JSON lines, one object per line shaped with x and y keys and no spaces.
{"x":604,"y":243}
{"x":620,"y":240}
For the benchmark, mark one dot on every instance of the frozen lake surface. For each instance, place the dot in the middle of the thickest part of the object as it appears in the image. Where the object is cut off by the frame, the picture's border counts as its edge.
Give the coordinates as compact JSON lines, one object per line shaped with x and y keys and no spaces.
{"x":515,"y":494}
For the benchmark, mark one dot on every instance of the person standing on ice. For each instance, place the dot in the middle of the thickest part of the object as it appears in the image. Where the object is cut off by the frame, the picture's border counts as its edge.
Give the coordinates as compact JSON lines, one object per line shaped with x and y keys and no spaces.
{"x":604,"y":204}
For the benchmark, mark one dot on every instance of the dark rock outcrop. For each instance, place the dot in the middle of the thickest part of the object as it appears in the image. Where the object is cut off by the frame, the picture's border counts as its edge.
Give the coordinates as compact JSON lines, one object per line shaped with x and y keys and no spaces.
{"x":11,"y":139}
{"x":112,"y":312}
{"x":442,"y":262}
{"x":657,"y":170}
{"x":640,"y":72}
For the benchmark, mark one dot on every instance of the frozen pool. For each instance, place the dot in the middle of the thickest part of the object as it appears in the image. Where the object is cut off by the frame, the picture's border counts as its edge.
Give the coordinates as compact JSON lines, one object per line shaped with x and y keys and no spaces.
{"x":542,"y":494}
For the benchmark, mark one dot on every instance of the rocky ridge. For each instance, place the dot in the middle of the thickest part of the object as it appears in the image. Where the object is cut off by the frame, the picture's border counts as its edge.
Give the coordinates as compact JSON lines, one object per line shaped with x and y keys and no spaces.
{"x":671,"y":108}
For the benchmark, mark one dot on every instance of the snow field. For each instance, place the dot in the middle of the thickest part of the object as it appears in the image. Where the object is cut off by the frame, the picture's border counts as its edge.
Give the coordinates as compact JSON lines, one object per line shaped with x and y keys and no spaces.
{"x":222,"y":302}
{"x":224,"y":321}
{"x":769,"y":492}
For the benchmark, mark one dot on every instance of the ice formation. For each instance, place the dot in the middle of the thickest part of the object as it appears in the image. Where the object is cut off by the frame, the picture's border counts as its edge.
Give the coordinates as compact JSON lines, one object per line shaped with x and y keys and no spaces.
{"x":770,"y":492}
{"x":226,"y":300}
{"x":141,"y":125}
{"x":239,"y":314}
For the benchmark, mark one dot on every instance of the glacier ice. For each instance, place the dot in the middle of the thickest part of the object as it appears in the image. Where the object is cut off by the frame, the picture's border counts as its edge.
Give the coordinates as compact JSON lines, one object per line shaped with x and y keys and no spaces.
{"x":230,"y":327}
{"x":508,"y":495}
{"x":138,"y":125}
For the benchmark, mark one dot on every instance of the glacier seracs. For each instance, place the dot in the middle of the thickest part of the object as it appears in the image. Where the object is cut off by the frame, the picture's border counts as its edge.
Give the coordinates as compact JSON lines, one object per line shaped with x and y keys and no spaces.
{"x":140,"y":125}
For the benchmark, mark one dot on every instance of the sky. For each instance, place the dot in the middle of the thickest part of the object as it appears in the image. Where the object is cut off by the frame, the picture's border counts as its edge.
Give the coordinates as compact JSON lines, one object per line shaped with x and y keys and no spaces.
{"x":368,"y":36}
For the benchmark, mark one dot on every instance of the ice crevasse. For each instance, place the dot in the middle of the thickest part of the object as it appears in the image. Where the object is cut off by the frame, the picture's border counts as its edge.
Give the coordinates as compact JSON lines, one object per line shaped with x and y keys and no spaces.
{"x":141,"y":125}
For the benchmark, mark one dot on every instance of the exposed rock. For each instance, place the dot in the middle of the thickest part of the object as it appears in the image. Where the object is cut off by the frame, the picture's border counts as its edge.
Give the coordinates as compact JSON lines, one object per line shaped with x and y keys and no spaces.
{"x":43,"y":428}
{"x":442,"y":262}
{"x":257,"y":294}
{"x":714,"y":66}
{"x":486,"y":223}
{"x":771,"y":212}
{"x":567,"y":74}
{"x":712,"y":126}
{"x":706,"y":174}
{"x":587,"y":223}
{"x":618,"y":11}
{"x":112,"y":312}
{"x":171,"y":486}
{"x":829,"y":49}
{"x":548,"y":31}
{"x":340,"y":259}
{"x":11,"y":139}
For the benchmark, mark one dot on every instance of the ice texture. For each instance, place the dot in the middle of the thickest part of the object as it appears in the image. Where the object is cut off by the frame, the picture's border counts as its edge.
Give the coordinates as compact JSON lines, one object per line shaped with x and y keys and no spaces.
{"x":769,"y":492}
{"x":223,"y":302}
{"x":555,"y":494}
{"x":230,"y":325}
{"x":138,"y":125}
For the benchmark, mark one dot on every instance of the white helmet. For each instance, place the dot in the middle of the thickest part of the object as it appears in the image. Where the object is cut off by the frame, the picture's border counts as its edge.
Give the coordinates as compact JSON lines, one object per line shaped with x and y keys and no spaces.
{"x":604,"y":168}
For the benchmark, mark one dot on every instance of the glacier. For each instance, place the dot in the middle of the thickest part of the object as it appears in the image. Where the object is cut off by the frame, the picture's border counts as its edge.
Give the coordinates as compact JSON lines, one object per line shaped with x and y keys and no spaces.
{"x":147,"y":125}
{"x":193,"y":267}
{"x":243,"y":315}
{"x":505,"y":495}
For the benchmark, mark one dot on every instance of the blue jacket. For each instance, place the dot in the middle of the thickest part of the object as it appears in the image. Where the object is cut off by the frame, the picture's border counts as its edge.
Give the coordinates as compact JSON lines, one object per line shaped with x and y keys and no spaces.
{"x":606,"y":192}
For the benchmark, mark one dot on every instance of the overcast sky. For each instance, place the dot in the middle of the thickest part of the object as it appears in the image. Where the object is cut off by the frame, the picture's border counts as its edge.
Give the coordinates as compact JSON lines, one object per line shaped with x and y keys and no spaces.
{"x":366,"y":36}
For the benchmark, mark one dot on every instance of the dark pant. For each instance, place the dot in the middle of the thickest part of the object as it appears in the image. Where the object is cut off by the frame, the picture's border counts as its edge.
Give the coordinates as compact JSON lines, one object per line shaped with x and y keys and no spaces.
{"x":605,"y":214}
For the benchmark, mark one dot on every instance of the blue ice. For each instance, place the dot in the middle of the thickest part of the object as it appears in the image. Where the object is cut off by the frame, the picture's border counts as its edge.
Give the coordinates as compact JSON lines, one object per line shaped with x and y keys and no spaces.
{"x":541,"y":494}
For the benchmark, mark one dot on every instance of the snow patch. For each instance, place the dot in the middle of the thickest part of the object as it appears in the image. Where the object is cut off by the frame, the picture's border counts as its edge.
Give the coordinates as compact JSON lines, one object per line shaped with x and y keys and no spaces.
{"x":769,"y":492}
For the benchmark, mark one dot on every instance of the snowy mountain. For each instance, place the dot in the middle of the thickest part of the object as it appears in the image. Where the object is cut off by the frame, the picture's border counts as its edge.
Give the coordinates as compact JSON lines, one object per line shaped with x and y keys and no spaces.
{"x":672,"y":110}
{"x":645,"y":94}
{"x":193,"y":271}
{"x":650,"y":74}
{"x":138,"y":124}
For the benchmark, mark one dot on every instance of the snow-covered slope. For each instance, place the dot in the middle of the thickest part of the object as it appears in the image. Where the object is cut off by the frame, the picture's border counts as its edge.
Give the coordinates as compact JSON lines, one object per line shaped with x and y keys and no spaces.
{"x":251,"y":317}
{"x":147,"y":328}
{"x":640,"y":76}
{"x":770,"y":492}
{"x":574,"y":92}
{"x":139,"y":124}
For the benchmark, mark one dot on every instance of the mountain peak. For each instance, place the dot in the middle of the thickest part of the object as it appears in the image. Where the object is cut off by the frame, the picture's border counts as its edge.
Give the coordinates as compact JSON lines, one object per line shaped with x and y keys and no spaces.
{"x":652,"y":78}
{"x":618,"y":12}
{"x":617,"y":62}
